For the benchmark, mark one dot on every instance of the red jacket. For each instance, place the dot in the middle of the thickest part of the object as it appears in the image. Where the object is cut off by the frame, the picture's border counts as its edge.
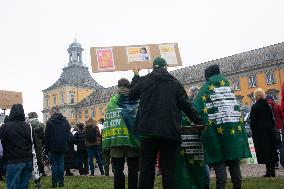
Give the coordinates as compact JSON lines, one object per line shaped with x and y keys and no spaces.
{"x":277,"y":113}
{"x":282,"y":100}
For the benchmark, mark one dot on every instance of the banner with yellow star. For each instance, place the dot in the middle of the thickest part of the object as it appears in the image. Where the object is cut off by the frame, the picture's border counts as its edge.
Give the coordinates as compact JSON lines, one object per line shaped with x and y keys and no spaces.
{"x":225,"y":137}
{"x":190,"y":159}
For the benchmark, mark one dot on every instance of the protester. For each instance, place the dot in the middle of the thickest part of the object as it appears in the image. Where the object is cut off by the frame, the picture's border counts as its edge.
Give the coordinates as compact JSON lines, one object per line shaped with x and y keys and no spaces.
{"x":158,"y":121}
{"x":106,"y":151}
{"x":82,"y":155}
{"x":39,"y":134}
{"x":3,"y":156}
{"x":15,"y":136}
{"x":282,"y":99}
{"x":263,"y":133}
{"x":93,"y":139}
{"x":193,"y":92}
{"x":70,"y":156}
{"x":225,"y":141}
{"x":120,"y":116}
{"x":56,"y":143}
{"x":278,"y":119}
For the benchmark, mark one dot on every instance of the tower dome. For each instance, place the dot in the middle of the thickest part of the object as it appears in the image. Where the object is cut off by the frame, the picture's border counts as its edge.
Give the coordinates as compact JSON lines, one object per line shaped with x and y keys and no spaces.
{"x":75,"y":54}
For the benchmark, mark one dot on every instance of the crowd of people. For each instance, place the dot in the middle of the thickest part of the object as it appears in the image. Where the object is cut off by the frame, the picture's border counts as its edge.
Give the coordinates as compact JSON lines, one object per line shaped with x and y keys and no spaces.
{"x":142,"y":122}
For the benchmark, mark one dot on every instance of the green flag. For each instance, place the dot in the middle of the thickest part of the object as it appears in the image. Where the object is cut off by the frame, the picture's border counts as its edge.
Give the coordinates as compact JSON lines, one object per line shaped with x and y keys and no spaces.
{"x":119,"y":118}
{"x":225,"y":137}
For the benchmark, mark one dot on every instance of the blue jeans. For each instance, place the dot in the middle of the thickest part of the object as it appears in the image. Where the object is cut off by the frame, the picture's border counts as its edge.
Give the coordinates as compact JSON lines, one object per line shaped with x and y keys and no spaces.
{"x":95,"y":151}
{"x":18,"y":175}
{"x":57,"y":167}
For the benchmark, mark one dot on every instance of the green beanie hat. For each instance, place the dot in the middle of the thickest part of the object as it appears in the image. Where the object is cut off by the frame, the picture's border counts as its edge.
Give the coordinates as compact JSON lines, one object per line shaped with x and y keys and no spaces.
{"x":159,"y":62}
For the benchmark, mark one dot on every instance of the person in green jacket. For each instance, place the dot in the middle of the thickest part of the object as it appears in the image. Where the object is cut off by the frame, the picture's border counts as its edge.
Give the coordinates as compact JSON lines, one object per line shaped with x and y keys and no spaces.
{"x":118,"y":137}
{"x":225,"y":140}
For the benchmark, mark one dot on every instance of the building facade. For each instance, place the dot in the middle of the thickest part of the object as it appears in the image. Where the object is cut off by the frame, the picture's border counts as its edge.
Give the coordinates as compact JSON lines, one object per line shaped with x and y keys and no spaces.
{"x":74,"y":84}
{"x":246,"y":71}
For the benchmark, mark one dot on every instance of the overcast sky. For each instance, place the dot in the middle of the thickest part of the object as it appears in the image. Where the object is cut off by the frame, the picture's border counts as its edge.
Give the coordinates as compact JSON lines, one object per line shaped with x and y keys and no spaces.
{"x":35,"y":34}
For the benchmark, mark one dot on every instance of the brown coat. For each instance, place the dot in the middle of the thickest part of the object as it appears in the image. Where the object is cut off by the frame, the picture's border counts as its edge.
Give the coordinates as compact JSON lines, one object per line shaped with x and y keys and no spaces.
{"x":92,"y":123}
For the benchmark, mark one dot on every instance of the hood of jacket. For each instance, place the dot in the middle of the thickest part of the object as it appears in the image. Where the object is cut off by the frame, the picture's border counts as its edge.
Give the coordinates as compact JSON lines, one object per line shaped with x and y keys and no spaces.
{"x":161,"y":74}
{"x":56,"y":118}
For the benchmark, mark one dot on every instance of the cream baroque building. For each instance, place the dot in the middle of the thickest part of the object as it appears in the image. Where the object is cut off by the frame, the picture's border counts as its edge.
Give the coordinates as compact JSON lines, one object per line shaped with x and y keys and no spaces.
{"x":74,"y":84}
{"x":81,"y":97}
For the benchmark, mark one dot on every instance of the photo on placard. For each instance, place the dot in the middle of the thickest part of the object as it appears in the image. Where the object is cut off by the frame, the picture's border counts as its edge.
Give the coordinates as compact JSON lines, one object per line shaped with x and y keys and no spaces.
{"x":105,"y":59}
{"x":168,"y":52}
{"x":138,"y":54}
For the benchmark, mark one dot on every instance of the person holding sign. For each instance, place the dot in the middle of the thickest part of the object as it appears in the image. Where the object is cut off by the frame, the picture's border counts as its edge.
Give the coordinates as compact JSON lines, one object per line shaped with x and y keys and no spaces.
{"x":225,"y":140}
{"x":118,"y":136}
{"x":162,"y":97}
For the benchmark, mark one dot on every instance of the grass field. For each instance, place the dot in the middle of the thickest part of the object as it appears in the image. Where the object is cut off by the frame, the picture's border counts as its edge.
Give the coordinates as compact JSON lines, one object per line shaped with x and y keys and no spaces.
{"x":107,"y":183}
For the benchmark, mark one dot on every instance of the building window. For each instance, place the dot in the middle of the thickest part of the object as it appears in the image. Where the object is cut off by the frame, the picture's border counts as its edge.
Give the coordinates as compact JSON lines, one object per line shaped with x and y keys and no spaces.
{"x":269,"y":78}
{"x":72,"y":114}
{"x":72,"y":97}
{"x":80,"y":114}
{"x":101,"y":110}
{"x":93,"y":113}
{"x":236,"y":85}
{"x":252,"y":81}
{"x":86,"y":114}
{"x":46,"y":101}
{"x":54,"y":100}
{"x":61,"y":98}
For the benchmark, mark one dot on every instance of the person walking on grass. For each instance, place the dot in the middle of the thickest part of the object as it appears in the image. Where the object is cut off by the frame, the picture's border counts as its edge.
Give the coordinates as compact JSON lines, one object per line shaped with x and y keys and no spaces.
{"x":118,"y":136}
{"x":225,"y":140}
{"x":93,"y":140}
{"x":15,"y":136}
{"x":56,"y":144}
{"x":162,"y":98}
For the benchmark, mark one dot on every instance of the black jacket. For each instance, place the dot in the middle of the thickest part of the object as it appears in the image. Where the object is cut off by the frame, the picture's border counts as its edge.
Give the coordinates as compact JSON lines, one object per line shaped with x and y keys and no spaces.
{"x":263,"y":134}
{"x":57,"y":134}
{"x":162,"y":98}
{"x":79,"y":139}
{"x":69,"y":156}
{"x":16,"y":140}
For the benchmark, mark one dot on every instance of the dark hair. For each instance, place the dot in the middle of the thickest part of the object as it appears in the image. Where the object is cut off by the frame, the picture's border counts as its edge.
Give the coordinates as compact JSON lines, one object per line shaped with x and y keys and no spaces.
{"x":123,"y":83}
{"x":102,"y":120}
{"x":80,"y":126}
{"x":211,"y":70}
{"x":33,"y":115}
{"x":143,"y":48}
{"x":17,"y":113}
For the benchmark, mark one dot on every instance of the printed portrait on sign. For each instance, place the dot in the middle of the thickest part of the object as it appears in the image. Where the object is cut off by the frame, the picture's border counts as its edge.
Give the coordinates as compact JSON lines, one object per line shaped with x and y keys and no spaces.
{"x":138,"y":53}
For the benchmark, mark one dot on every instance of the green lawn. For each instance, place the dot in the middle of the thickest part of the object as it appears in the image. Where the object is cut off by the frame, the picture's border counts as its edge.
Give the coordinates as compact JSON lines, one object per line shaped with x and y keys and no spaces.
{"x":107,"y":183}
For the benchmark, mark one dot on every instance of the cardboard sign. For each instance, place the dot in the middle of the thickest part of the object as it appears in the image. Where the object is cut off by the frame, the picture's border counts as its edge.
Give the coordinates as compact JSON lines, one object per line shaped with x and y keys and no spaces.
{"x":122,"y":58}
{"x":8,"y":98}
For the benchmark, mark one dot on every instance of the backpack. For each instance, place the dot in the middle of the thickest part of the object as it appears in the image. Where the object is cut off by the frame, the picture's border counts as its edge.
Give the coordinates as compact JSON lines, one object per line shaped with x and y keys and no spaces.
{"x":91,"y":134}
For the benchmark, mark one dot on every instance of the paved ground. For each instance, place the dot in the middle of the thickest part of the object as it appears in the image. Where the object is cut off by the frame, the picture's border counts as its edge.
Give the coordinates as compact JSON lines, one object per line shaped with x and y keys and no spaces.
{"x":254,"y":171}
{"x":247,"y":171}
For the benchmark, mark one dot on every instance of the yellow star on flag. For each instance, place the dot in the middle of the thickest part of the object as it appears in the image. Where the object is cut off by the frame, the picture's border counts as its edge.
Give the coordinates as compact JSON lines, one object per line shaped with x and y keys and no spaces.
{"x":211,"y":87}
{"x":204,"y":98}
{"x":220,"y":130}
{"x":241,"y":119}
{"x":232,"y":131}
{"x":190,"y":161}
{"x":205,"y":110}
{"x":239,"y":128}
{"x":222,"y":83}
{"x":182,"y":152}
{"x":210,"y":122}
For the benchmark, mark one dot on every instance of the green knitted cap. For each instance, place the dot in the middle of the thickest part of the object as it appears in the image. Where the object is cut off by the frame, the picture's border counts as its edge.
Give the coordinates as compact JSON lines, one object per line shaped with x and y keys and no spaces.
{"x":159,"y":62}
